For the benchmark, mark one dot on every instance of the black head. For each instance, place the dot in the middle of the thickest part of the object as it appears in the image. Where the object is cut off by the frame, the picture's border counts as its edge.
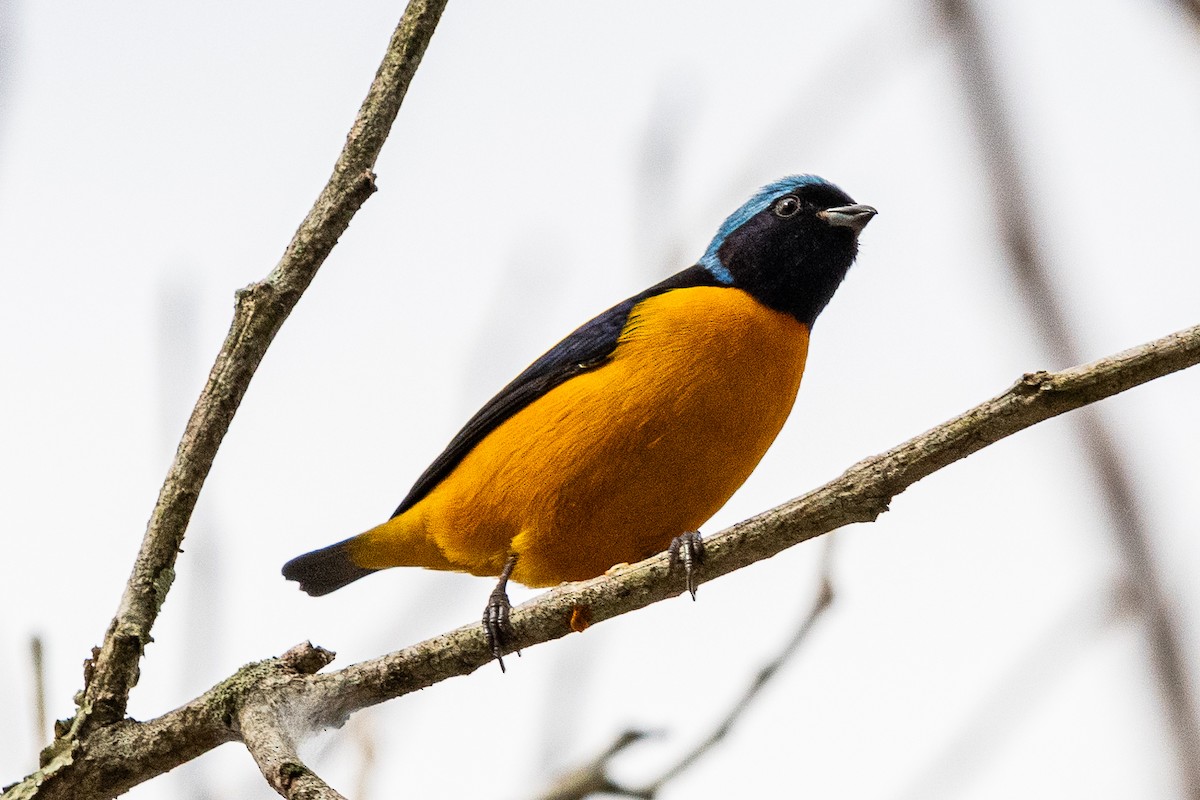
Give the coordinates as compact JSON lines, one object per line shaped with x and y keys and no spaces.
{"x":790,"y":245}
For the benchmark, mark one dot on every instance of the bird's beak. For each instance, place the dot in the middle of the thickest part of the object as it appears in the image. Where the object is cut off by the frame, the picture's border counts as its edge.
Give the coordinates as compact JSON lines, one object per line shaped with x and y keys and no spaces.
{"x":853,"y":217}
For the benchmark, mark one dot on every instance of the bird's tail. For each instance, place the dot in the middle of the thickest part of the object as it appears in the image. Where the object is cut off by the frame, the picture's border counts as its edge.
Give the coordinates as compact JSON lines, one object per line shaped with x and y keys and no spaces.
{"x":322,"y":571}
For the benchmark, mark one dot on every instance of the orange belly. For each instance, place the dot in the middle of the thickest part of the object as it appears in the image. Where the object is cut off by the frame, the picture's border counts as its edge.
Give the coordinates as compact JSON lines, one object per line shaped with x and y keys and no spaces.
{"x":611,"y":465}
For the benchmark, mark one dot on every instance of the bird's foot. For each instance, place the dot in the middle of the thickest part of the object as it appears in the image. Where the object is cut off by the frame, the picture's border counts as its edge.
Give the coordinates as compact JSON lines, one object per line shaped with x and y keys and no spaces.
{"x":496,"y":624}
{"x":687,"y":549}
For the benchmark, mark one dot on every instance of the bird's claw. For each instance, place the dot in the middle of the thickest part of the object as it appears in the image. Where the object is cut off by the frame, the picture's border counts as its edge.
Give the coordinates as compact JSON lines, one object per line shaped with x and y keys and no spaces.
{"x":496,"y":623}
{"x":687,"y":549}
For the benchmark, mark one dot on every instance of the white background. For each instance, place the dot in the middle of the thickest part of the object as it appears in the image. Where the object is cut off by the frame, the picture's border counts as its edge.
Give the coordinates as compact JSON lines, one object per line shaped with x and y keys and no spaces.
{"x":552,"y":158}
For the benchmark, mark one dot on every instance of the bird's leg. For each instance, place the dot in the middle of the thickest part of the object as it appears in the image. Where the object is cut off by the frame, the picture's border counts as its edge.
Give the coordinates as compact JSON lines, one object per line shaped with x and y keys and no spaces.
{"x":495,"y":615}
{"x":688,"y":549}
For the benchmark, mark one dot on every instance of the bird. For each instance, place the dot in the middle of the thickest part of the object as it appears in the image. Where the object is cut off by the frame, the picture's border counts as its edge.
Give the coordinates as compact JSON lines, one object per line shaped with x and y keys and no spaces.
{"x":629,"y":434}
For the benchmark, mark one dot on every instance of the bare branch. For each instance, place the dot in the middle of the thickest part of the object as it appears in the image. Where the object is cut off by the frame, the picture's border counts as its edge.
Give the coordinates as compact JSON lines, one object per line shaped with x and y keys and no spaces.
{"x":115,"y":758}
{"x":260,"y":311}
{"x":266,"y":729}
{"x":119,"y":756}
{"x":275,"y":753}
{"x":861,"y":494}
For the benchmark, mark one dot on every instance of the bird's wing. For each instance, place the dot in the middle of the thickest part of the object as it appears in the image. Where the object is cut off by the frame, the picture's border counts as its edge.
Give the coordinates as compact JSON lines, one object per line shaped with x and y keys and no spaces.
{"x":586,"y":348}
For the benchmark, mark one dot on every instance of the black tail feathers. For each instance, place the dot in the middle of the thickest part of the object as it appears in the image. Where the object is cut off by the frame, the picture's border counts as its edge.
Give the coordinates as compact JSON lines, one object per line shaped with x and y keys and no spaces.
{"x":325,"y":570}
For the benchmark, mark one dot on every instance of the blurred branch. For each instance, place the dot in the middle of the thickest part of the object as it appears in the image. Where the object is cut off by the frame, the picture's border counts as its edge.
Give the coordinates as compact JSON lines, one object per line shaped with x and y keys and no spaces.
{"x":593,"y":777}
{"x":1011,"y":196}
{"x":261,"y":309}
{"x":116,"y":757}
{"x":821,"y":603}
{"x":1192,"y":9}
{"x":364,"y":736}
{"x":38,"y":661}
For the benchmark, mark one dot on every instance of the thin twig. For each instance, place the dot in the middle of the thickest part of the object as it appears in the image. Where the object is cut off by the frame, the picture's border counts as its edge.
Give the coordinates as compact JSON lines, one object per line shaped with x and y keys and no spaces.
{"x":1128,"y":518}
{"x":119,"y":756}
{"x":260,"y":310}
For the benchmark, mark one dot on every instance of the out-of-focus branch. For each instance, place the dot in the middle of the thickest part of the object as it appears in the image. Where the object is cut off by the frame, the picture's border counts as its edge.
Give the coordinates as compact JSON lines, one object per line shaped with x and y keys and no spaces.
{"x":821,"y":603}
{"x":592,"y":778}
{"x":1010,"y":194}
{"x":260,"y":310}
{"x":364,"y":738}
{"x":123,"y":754}
{"x":1192,"y":9}
{"x":38,"y":662}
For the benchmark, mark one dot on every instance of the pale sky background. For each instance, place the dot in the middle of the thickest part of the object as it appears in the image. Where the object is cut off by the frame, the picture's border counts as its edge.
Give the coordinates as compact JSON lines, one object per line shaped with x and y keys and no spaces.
{"x":551,"y":159}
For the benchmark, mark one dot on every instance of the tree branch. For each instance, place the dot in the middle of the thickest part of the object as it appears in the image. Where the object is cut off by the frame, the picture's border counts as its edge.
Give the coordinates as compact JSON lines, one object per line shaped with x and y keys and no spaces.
{"x":115,"y":758}
{"x":266,"y":729}
{"x":861,"y":494}
{"x":260,"y":311}
{"x":121,"y":755}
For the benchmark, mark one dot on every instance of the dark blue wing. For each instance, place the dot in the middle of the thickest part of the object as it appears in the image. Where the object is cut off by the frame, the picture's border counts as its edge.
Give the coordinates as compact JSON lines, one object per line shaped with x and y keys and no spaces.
{"x":586,"y":348}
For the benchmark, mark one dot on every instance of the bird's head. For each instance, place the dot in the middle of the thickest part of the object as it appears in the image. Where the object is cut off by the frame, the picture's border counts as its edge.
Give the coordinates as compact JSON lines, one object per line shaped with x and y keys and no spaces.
{"x":790,"y":245}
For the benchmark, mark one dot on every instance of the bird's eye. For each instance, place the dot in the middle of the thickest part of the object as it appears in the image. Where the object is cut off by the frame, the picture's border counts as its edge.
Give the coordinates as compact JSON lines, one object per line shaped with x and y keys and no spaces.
{"x":786,"y":206}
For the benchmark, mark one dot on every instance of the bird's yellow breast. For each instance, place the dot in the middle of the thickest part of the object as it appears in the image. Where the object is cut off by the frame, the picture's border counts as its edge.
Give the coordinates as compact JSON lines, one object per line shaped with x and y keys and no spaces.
{"x":612,"y":464}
